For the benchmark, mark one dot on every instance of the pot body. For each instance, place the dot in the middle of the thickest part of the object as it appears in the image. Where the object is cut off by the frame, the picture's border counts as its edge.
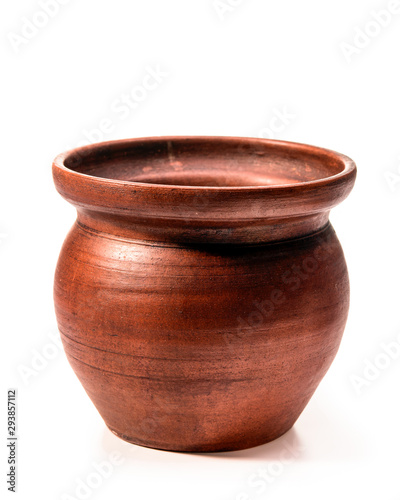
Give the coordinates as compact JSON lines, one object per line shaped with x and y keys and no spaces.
{"x":200,"y":347}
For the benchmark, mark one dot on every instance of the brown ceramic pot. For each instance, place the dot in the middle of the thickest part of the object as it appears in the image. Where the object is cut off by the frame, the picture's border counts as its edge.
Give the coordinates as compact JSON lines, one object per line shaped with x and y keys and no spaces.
{"x":202,"y":293}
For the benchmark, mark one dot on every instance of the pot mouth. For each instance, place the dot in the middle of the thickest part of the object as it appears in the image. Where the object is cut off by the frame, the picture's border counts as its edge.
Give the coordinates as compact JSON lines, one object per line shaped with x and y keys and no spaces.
{"x":205,"y":163}
{"x":203,"y":183}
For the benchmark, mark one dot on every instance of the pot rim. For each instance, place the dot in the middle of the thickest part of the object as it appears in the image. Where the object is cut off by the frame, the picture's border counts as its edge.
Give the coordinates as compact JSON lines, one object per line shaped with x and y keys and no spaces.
{"x":349,"y":166}
{"x":218,"y":204}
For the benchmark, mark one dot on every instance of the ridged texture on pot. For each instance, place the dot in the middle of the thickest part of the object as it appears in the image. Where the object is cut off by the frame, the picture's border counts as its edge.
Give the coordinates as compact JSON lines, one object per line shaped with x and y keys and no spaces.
{"x":200,"y":349}
{"x":201,"y":327}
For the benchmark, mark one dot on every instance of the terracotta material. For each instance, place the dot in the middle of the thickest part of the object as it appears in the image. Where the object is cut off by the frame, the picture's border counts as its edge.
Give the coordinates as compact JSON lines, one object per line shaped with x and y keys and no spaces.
{"x":202,"y":293}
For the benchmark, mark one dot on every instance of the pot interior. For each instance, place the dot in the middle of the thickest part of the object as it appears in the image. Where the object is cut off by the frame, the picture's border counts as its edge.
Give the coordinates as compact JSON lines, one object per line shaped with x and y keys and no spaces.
{"x":197,"y":161}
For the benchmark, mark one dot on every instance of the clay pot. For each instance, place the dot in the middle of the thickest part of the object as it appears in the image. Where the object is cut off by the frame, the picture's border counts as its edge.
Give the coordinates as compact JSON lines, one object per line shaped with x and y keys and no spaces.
{"x":202,"y":293}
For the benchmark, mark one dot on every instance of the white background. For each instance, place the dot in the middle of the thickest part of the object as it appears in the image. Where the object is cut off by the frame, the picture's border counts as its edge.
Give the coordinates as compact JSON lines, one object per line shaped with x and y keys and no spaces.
{"x":226,"y":71}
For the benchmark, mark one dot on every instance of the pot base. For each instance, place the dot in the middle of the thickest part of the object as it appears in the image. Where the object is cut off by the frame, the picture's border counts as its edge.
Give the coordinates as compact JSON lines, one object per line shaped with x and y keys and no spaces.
{"x":245,"y":444}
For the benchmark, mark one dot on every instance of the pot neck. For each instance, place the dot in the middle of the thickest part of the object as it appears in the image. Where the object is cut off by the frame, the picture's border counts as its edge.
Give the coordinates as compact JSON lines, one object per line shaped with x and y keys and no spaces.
{"x":172,"y":231}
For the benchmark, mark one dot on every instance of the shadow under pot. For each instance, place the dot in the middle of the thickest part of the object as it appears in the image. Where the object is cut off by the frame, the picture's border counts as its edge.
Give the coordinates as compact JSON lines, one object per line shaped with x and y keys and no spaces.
{"x":202,"y":293}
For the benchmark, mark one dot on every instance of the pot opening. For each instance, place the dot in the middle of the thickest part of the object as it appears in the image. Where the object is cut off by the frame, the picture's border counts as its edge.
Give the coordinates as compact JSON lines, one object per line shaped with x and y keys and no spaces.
{"x":208,"y":162}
